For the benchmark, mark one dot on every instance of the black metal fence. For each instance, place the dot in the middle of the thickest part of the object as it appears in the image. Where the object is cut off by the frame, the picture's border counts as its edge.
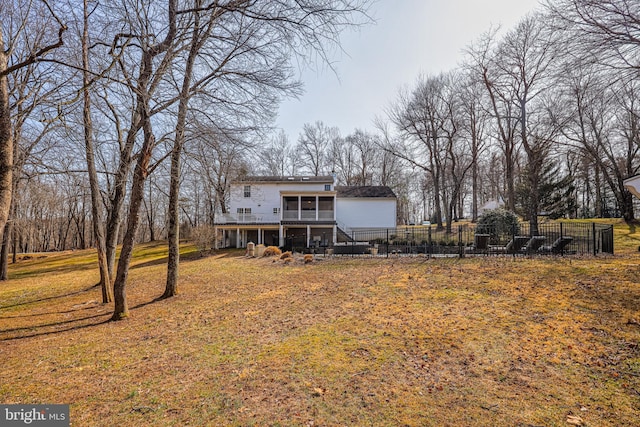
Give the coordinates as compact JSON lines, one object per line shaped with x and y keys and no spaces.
{"x":469,"y":239}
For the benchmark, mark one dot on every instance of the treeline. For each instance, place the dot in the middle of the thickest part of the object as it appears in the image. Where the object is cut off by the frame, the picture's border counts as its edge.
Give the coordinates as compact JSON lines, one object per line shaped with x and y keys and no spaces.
{"x":125,"y":120}
{"x":542,"y":118}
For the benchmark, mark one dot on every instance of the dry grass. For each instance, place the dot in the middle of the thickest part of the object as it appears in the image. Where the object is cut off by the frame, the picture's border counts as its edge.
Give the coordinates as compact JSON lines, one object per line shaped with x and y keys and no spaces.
{"x":343,"y":341}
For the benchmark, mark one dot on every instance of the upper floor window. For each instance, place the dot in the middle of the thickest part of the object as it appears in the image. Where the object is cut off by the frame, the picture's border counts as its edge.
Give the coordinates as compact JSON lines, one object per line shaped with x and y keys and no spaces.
{"x":327,"y":187}
{"x":247,"y":191}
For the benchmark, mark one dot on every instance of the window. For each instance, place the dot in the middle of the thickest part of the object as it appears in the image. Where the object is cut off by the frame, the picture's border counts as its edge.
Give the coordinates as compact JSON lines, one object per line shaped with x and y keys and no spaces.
{"x":327,"y":187}
{"x":244,"y":210}
{"x":247,"y":191}
{"x":276,"y":211}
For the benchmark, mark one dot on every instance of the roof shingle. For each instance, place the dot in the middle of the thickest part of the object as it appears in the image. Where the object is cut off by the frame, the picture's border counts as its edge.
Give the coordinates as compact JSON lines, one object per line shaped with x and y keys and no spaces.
{"x":364,"y":191}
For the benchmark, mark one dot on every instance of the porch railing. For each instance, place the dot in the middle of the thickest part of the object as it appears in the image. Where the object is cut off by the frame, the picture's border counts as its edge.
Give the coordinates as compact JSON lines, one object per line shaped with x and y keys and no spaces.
{"x":242,"y":218}
{"x":323,"y":215}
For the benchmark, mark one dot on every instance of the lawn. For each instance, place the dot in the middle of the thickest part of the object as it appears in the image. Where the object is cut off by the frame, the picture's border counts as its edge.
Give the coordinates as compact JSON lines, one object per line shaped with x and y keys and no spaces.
{"x":486,"y":341}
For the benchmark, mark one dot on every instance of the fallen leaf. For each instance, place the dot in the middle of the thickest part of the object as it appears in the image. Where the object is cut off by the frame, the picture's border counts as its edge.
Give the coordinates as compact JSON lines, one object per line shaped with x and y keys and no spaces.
{"x":575,"y":420}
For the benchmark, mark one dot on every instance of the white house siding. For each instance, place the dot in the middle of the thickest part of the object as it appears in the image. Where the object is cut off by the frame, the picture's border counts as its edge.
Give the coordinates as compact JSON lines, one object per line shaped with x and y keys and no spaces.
{"x":353,"y":207}
{"x":359,"y":212}
{"x":265,"y":196}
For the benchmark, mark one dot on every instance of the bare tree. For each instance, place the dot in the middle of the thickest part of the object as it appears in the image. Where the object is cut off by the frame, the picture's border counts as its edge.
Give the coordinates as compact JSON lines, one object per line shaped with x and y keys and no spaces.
{"x":313,"y":145}
{"x":483,"y":62}
{"x":474,"y":123}
{"x":526,"y":56}
{"x":421,"y":119}
{"x":17,"y":52}
{"x":155,"y":59}
{"x":98,"y":225}
{"x":366,"y":155}
{"x":342,"y":158}
{"x":603,"y":124}
{"x":279,"y":158}
{"x":604,"y":43}
{"x":607,"y":31}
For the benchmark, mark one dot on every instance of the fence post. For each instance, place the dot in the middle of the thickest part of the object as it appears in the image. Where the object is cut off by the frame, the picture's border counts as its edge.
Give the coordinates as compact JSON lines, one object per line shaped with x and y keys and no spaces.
{"x":387,"y":243}
{"x":594,"y":240}
{"x":611,"y":238}
{"x":460,"y":248}
{"x":561,"y":236}
{"x":353,"y":244}
{"x":513,"y":236}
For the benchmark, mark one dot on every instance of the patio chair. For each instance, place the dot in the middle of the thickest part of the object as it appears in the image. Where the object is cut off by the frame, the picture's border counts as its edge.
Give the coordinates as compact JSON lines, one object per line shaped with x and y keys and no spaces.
{"x":557,"y":247}
{"x":480,"y":243}
{"x":534,"y":243}
{"x":514,"y":245}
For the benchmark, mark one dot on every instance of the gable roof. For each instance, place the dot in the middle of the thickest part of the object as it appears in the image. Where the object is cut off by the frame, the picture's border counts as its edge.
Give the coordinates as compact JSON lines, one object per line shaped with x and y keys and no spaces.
{"x":381,"y":191}
{"x":327,"y":179}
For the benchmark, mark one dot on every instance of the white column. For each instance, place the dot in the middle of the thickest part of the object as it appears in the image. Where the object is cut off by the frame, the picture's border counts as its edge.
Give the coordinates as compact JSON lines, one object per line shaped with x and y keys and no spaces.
{"x":317,"y":207}
{"x":281,"y":236}
{"x":238,"y":237}
{"x":335,"y":234}
{"x":259,"y":236}
{"x":299,"y":208}
{"x":335,"y":207}
{"x":215,"y":238}
{"x":308,"y":234}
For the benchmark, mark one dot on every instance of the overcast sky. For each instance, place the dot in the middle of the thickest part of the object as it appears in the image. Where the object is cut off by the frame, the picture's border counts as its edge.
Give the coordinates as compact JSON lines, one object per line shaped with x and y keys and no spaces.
{"x":411,"y":37}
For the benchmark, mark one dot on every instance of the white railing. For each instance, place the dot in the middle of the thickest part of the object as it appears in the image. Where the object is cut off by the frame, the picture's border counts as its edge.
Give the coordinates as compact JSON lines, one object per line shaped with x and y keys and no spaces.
{"x":240,"y":218}
{"x":290,"y":215}
{"x":308,"y":215}
{"x":326,"y":215}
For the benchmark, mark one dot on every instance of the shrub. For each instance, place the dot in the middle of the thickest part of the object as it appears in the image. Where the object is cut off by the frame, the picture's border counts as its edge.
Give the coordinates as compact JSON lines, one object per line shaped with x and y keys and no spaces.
{"x":498,"y":223}
{"x":203,"y":237}
{"x":308,"y":258}
{"x":286,"y":255}
{"x":271,"y":251}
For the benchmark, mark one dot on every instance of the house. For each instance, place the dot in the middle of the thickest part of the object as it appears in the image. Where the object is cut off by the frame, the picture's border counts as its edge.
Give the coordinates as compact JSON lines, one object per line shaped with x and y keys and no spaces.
{"x":489,"y":206}
{"x":633,"y":185}
{"x":271,"y":209}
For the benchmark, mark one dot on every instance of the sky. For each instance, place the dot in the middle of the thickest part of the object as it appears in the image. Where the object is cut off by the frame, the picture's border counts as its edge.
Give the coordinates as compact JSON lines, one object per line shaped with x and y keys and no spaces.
{"x":409,"y":38}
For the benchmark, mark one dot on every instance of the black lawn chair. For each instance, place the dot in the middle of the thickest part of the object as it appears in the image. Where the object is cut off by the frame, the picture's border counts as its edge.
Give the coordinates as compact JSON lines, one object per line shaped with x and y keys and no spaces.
{"x":534,"y":243}
{"x":514,"y":245}
{"x":558,"y":246}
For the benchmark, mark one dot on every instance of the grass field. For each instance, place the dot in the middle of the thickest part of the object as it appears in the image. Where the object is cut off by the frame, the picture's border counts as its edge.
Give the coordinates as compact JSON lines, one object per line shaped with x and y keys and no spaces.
{"x":486,"y":341}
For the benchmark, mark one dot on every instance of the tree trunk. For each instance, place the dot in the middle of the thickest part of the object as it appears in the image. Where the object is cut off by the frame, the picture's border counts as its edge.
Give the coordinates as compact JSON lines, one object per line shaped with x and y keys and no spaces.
{"x":4,"y":252}
{"x":121,"y":309}
{"x":98,"y":231}
{"x":598,"y":187}
{"x":173,"y":232}
{"x":141,"y":171}
{"x":626,"y":206}
{"x":6,"y":142}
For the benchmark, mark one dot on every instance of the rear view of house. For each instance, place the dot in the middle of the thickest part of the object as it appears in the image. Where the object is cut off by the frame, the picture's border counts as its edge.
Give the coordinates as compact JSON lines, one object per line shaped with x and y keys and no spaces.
{"x":270,"y":210}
